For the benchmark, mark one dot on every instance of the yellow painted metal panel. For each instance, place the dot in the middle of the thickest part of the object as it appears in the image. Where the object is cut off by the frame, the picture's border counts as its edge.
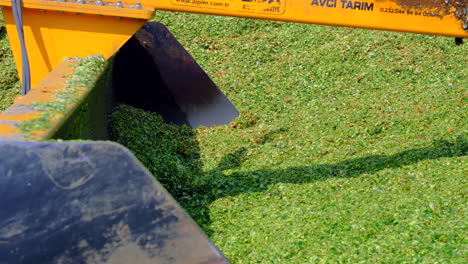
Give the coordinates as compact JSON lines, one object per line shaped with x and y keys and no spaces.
{"x":440,"y":17}
{"x":51,"y":36}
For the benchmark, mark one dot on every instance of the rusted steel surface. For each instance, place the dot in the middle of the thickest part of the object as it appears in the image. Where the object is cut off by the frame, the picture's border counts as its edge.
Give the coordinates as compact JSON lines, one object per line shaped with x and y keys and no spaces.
{"x":439,"y":8}
{"x":154,"y":71}
{"x":91,"y":203}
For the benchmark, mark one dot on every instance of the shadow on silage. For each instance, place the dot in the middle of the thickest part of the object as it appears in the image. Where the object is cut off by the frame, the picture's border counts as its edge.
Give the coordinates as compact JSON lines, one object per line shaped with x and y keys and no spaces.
{"x":2,"y":32}
{"x":171,"y":153}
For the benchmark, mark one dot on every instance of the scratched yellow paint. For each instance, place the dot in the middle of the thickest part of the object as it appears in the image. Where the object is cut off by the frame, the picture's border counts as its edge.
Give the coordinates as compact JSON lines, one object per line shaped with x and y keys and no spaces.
{"x":43,"y":92}
{"x":7,"y":130}
{"x":20,"y":117}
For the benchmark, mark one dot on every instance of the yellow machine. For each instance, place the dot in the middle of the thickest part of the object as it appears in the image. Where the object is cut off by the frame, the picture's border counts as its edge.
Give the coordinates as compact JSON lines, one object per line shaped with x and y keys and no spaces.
{"x":54,"y":29}
{"x":93,"y":202}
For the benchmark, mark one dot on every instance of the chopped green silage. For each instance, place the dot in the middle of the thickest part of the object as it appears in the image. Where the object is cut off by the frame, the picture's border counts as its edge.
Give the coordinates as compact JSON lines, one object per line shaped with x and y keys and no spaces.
{"x":405,"y":207}
{"x":87,"y":72}
{"x":172,"y":153}
{"x":350,"y":148}
{"x":9,"y":81}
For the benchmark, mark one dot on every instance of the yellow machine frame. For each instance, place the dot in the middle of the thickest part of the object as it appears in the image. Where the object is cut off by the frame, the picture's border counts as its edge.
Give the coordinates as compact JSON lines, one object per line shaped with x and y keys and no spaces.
{"x":55,"y":29}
